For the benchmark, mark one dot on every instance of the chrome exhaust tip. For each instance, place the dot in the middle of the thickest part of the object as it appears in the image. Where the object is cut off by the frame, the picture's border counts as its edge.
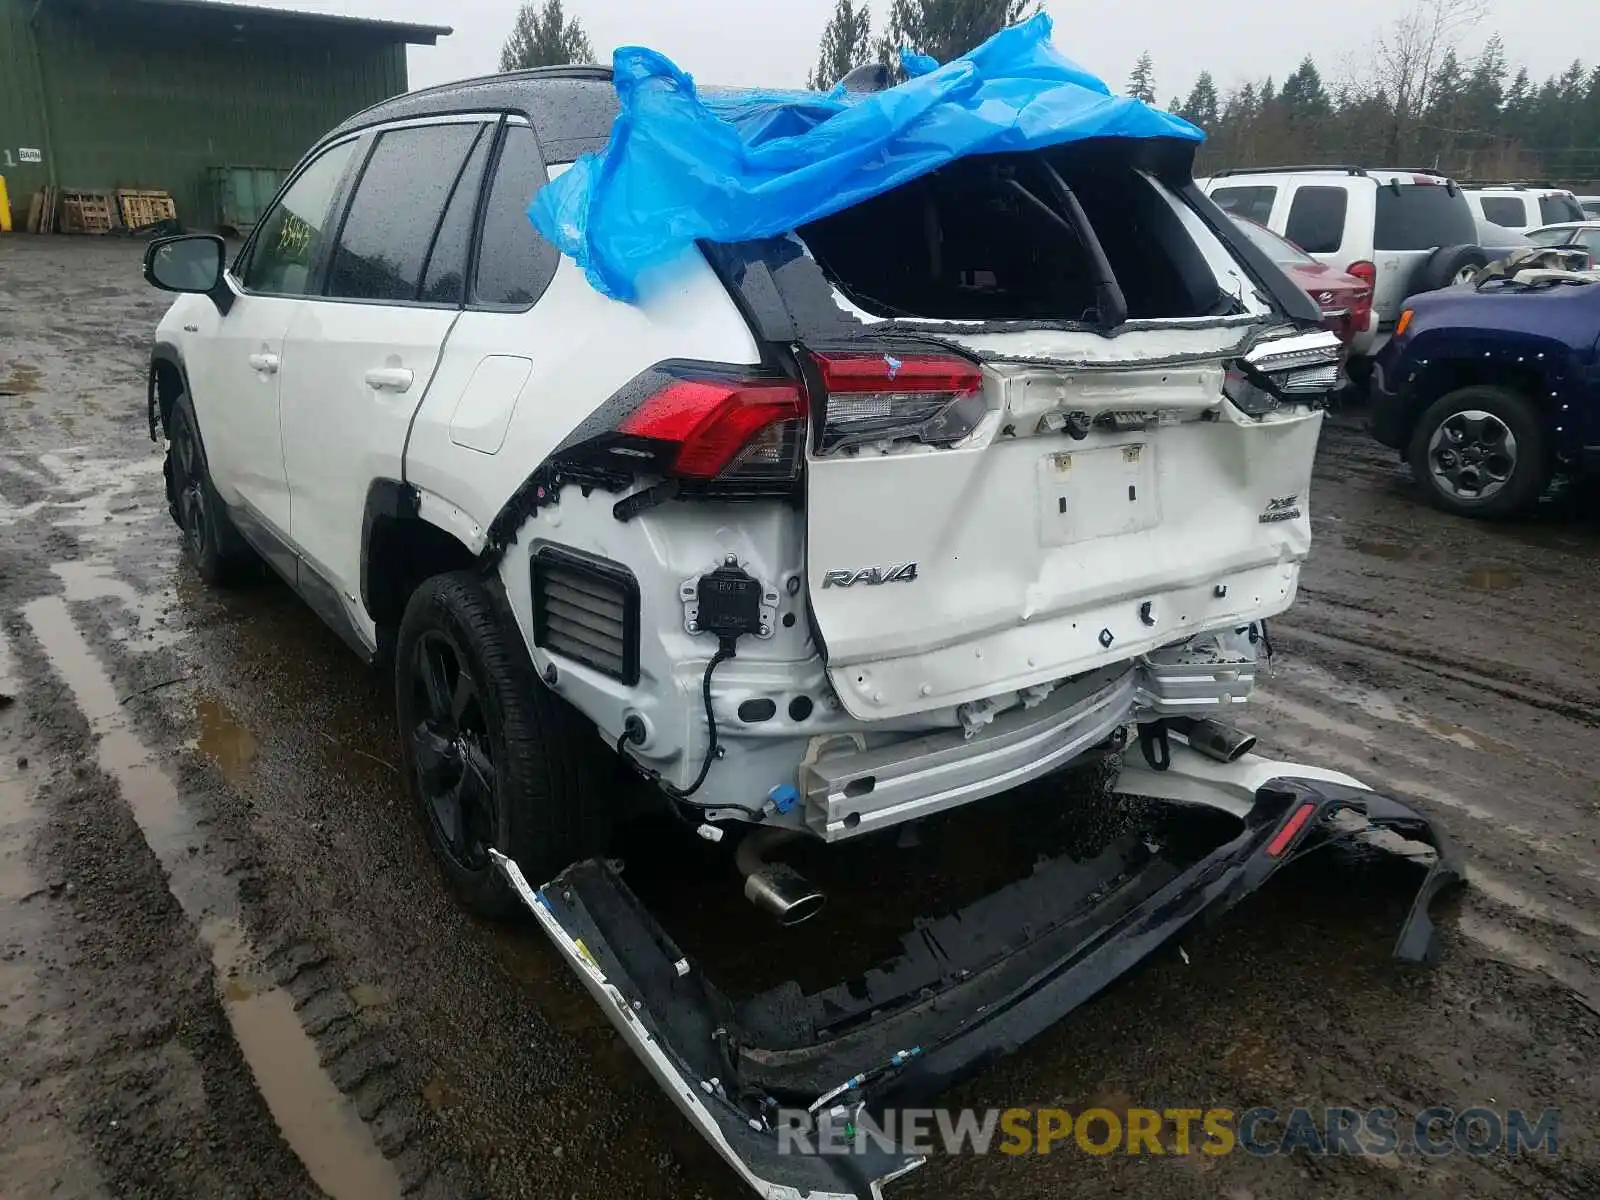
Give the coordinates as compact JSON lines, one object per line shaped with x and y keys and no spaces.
{"x":783,"y":892}
{"x":1214,"y":739}
{"x":776,"y":888}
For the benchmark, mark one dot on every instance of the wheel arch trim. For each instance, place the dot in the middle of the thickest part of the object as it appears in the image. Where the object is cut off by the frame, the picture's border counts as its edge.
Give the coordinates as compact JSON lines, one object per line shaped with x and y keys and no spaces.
{"x":395,"y":500}
{"x":163,"y":353}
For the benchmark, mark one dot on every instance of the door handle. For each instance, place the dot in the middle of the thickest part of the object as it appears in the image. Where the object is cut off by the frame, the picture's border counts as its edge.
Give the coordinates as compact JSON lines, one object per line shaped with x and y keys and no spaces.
{"x":267,"y":364}
{"x":390,"y":379}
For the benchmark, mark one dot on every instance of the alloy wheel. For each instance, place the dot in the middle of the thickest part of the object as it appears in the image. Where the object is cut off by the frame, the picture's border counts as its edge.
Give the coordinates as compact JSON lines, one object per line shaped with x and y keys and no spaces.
{"x":191,"y":500}
{"x":1472,"y":455}
{"x":454,"y":765}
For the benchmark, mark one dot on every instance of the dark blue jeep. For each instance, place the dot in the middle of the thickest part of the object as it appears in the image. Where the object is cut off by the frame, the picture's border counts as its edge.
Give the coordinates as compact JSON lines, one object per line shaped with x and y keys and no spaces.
{"x":1487,"y":391}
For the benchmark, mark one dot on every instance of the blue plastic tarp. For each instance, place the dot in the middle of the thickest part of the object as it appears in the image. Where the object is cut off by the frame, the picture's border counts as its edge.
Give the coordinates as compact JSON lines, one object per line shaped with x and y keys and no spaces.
{"x":683,"y":164}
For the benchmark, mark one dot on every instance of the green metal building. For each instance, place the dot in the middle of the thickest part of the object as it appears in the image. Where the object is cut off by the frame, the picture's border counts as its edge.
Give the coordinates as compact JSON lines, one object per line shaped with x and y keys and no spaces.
{"x":161,"y":94}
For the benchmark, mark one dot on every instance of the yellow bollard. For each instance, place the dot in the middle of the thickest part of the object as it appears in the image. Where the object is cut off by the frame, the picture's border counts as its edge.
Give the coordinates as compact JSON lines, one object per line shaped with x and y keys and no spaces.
{"x":5,"y":208}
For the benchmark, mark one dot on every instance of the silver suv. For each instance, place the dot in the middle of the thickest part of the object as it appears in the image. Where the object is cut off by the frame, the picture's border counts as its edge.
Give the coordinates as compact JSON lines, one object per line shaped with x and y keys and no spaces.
{"x":1403,"y":231}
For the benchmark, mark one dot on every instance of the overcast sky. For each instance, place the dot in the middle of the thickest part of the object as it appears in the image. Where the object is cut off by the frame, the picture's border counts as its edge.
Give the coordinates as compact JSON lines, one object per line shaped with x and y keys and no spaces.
{"x":775,"y":43}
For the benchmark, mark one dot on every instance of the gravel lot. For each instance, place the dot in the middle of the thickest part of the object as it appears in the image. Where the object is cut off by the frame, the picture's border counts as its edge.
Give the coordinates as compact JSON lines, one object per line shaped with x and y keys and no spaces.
{"x":228,"y":968}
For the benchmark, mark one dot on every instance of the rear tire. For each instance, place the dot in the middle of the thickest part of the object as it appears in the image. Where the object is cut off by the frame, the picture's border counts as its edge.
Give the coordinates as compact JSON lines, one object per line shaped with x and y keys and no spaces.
{"x":1481,"y":451}
{"x":491,"y":756}
{"x":210,"y":539}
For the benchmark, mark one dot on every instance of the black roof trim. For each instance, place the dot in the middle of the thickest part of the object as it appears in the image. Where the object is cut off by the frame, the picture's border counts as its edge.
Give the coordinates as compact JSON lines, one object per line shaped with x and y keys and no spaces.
{"x":564,"y":104}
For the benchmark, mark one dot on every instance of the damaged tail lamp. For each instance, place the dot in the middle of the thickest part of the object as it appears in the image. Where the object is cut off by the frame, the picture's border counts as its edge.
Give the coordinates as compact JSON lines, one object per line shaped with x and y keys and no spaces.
{"x":934,"y":399}
{"x":1272,"y":375}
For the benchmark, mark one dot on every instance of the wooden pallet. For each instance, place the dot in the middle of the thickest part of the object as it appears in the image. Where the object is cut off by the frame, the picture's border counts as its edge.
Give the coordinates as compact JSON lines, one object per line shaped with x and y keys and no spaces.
{"x":86,"y":212}
{"x":42,"y":210}
{"x":140,"y":207}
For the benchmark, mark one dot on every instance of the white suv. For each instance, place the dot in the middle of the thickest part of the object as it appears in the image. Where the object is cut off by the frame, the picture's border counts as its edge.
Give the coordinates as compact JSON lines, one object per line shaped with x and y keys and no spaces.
{"x":934,"y":497}
{"x":1404,"y":232}
{"x":1521,"y":208}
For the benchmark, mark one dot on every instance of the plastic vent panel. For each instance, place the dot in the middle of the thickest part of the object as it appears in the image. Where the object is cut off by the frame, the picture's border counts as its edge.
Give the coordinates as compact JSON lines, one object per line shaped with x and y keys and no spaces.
{"x":586,"y":609}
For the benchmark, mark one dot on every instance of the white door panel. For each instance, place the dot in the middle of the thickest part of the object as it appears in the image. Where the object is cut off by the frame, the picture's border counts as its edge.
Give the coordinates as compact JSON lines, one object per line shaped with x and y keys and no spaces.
{"x":352,"y":375}
{"x":233,"y":369}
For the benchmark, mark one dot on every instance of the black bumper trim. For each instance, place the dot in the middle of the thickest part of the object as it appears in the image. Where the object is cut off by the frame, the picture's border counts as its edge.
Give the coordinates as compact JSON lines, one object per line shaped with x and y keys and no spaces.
{"x":690,"y":1034}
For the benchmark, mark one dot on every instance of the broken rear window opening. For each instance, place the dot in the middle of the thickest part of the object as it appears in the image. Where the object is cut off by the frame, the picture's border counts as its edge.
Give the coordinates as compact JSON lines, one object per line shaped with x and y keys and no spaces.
{"x":994,"y":237}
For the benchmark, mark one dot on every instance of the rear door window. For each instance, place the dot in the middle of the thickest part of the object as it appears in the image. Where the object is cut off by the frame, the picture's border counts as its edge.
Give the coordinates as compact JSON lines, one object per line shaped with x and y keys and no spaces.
{"x":1508,"y":211}
{"x":1422,"y":216}
{"x":1558,"y":208}
{"x":1316,"y":219}
{"x":398,"y":204}
{"x":1251,"y":203}
{"x":515,"y":264}
{"x":444,"y":280}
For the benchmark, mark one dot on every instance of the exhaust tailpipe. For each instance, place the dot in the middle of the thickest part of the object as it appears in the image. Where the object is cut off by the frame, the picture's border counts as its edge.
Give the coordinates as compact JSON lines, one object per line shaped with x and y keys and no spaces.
{"x":775,"y":888}
{"x":1214,"y":739}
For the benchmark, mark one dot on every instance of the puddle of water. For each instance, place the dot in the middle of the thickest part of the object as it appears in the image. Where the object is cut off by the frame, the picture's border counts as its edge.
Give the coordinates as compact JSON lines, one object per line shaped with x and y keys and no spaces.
{"x":316,"y":1120}
{"x":21,"y":380}
{"x":1490,"y":579}
{"x":223,"y":739}
{"x":1394,"y":551}
{"x":91,"y":580}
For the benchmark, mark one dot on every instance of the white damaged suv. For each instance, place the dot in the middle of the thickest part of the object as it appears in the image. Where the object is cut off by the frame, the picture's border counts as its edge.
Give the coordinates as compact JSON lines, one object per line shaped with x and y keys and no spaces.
{"x":931,"y":498}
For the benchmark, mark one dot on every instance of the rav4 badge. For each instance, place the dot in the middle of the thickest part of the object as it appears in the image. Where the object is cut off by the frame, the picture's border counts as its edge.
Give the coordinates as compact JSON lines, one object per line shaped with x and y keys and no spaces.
{"x":871,"y":576}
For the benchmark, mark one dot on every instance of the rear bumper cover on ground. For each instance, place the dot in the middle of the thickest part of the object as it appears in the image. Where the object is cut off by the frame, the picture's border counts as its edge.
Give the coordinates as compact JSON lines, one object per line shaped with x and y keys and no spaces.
{"x":968,"y":988}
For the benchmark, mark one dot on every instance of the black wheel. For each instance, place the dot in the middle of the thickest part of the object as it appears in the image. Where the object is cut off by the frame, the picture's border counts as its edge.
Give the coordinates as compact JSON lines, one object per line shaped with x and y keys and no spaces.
{"x":1481,"y":452}
{"x":1446,"y":267}
{"x":492,"y":757}
{"x":210,"y":539}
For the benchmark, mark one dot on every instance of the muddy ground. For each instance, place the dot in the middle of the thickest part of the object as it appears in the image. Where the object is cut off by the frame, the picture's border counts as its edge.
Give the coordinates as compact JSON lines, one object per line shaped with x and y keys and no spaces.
{"x":228,"y":968}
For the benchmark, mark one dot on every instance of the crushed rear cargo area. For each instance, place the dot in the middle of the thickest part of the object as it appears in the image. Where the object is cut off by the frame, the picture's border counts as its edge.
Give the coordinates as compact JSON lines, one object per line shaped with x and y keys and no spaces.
{"x":1075,"y":896}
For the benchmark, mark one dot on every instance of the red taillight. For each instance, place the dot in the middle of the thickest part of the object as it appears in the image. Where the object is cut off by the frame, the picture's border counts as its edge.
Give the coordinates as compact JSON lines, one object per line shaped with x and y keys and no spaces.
{"x":1282,"y":840}
{"x":936,"y":399}
{"x":751,"y":429}
{"x":1364,"y":271}
{"x":886,"y":373}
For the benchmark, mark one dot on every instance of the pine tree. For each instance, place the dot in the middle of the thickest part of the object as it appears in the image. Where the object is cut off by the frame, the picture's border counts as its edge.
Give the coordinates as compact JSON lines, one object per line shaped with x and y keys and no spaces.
{"x":544,"y":37}
{"x":1201,"y":106}
{"x":946,"y":29}
{"x":846,"y":44}
{"x":1142,"y":81}
{"x":1305,"y":100}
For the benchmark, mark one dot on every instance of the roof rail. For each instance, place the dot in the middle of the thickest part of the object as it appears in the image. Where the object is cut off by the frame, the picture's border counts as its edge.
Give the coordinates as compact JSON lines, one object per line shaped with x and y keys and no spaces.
{"x":1343,"y":168}
{"x":1487,"y":184}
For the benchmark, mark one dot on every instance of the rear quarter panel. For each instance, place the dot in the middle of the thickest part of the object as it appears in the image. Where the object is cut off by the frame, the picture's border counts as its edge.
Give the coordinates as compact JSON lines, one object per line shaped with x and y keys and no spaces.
{"x":581,"y":348}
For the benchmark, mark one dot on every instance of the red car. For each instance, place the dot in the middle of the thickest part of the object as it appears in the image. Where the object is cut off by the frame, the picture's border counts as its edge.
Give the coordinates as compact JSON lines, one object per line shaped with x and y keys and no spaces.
{"x":1345,"y":300}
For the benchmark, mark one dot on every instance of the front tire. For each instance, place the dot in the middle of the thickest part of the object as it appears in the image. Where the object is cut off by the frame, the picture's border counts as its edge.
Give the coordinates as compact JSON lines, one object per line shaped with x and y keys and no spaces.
{"x":1481,"y":451}
{"x":210,"y":539}
{"x":492,"y":758}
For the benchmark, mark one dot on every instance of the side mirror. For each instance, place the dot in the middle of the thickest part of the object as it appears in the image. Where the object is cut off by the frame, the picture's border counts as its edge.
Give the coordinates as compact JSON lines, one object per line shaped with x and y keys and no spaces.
{"x":191,"y":262}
